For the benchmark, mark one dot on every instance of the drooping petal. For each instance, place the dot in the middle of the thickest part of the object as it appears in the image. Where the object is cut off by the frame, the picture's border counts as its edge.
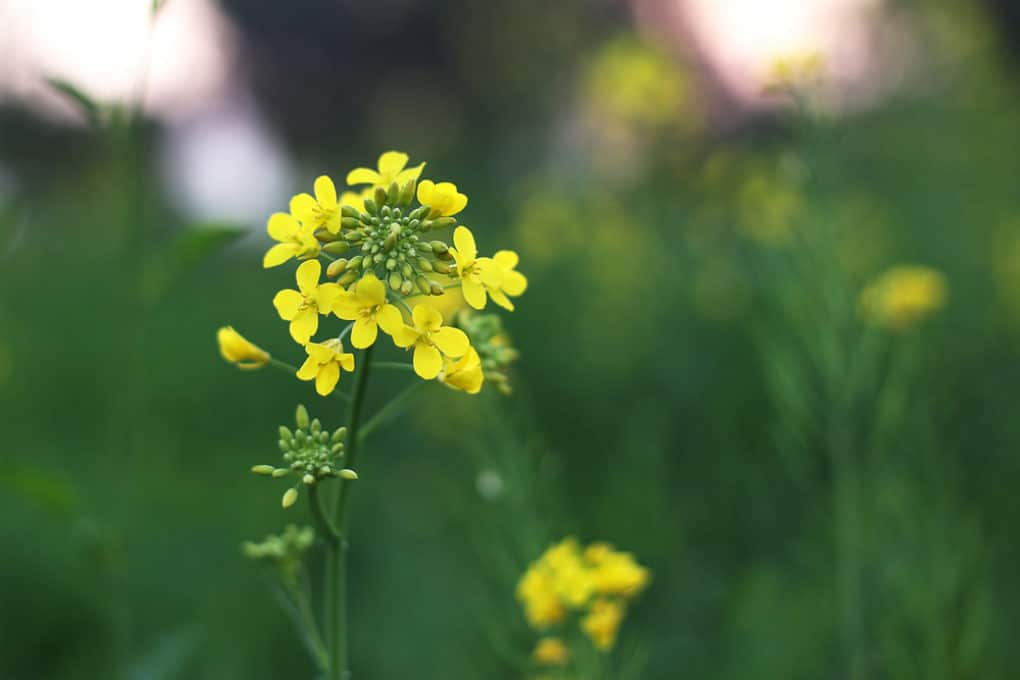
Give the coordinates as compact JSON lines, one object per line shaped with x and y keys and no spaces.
{"x":474,"y":293}
{"x":391,"y":163}
{"x":308,"y":369}
{"x":327,"y":378}
{"x":362,"y":176}
{"x":304,"y":325}
{"x":364,"y":333}
{"x":371,"y":291}
{"x":287,"y":303}
{"x":281,"y":226}
{"x":464,"y":240}
{"x":427,"y":361}
{"x":320,"y":352}
{"x":499,"y":297}
{"x":279,"y":254}
{"x":325,"y":192}
{"x":453,"y":342}
{"x":426,"y":317}
{"x":308,"y":276}
{"x":514,"y":283}
{"x":389,"y":319}
{"x":347,"y":361}
{"x":303,"y":207}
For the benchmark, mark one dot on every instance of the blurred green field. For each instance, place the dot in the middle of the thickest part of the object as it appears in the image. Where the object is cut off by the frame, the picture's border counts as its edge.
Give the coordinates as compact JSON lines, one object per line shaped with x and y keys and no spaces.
{"x":815,"y":497}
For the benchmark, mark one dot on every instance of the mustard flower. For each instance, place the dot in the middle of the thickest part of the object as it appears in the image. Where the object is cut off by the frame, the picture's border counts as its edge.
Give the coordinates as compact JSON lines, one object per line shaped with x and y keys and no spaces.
{"x":366,"y":306}
{"x":295,"y":240}
{"x":614,"y":572}
{"x":464,"y":374}
{"x":323,"y":364}
{"x":443,"y":198}
{"x":476,"y":273}
{"x":513,"y":282}
{"x":903,"y":296}
{"x":391,"y":169}
{"x":602,"y":622}
{"x":236,"y":349}
{"x":431,"y":340}
{"x":302,"y":307}
{"x":536,"y":590}
{"x":320,"y":212}
{"x":551,"y":651}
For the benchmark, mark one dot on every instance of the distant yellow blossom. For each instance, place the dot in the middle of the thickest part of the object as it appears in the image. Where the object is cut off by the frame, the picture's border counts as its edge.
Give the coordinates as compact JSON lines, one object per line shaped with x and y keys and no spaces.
{"x":602,"y":622}
{"x":551,"y":651}
{"x":443,"y":198}
{"x":430,"y":340}
{"x":302,"y":307}
{"x":391,"y":169}
{"x":367,"y":307}
{"x":537,"y":592}
{"x":320,"y":212}
{"x":295,"y":240}
{"x":513,"y":283}
{"x":236,"y":349}
{"x":903,"y":296}
{"x":324,"y":363}
{"x":463,"y":374}
{"x":475,"y":273}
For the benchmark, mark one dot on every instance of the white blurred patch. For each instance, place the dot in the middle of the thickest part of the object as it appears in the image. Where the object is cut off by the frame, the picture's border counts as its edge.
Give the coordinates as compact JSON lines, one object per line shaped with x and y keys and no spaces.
{"x":490,"y":485}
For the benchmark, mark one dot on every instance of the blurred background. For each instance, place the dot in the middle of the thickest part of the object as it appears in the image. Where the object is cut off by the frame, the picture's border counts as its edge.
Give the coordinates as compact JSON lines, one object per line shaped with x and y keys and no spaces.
{"x":698,"y":189}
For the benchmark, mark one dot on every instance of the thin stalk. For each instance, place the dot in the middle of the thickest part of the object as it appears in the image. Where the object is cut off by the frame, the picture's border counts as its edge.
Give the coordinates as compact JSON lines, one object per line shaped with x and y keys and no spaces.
{"x":846,"y":498}
{"x":390,"y":409}
{"x":393,"y":365}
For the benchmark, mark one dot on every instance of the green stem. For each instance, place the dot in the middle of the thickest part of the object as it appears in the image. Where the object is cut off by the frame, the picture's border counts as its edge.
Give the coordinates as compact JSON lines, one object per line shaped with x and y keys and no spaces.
{"x":846,"y":497}
{"x":393,"y":365}
{"x":306,"y":622}
{"x":326,"y":527}
{"x":390,"y":409}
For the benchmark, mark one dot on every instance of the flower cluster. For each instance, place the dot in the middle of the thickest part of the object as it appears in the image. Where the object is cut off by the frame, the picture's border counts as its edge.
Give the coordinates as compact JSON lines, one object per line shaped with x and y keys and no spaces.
{"x":284,"y":551}
{"x":383,"y":249}
{"x":903,"y":296}
{"x":591,"y":585}
{"x":309,"y":452}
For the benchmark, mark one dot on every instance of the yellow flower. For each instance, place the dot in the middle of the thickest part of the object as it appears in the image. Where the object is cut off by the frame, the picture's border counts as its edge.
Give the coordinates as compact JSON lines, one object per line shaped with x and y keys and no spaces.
{"x":537,"y":592}
{"x":551,"y":651}
{"x":295,"y":240}
{"x":615,"y":573}
{"x":356,"y":199}
{"x":571,"y":576}
{"x":464,"y":374}
{"x":443,"y":198}
{"x":475,"y":273}
{"x":513,"y":282}
{"x":903,"y":296}
{"x":236,"y":349}
{"x":431,"y":340}
{"x":391,"y":169}
{"x":302,"y":307}
{"x":324,"y":363}
{"x":366,"y":306}
{"x":602,"y":623}
{"x":323,"y":211}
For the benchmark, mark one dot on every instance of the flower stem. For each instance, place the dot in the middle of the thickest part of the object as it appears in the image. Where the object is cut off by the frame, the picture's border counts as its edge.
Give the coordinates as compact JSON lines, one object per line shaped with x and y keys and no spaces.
{"x":387,"y":411}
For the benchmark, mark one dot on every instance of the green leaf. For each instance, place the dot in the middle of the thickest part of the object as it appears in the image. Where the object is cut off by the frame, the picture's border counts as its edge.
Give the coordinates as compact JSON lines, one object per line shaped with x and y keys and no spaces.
{"x":78,"y":99}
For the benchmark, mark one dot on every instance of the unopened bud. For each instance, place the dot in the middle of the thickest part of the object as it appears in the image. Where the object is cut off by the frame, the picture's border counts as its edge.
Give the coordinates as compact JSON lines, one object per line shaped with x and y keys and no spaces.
{"x":340,"y":434}
{"x":395,"y":280}
{"x":308,"y":479}
{"x":301,"y":416}
{"x":420,"y":213}
{"x":336,"y":268}
{"x":380,"y":198}
{"x":407,"y":192}
{"x":349,"y":211}
{"x":393,"y":194}
{"x":280,"y":472}
{"x":406,"y":288}
{"x":348,"y":474}
{"x":391,"y":264}
{"x":354,"y":262}
{"x":262,"y":469}
{"x":443,"y":222}
{"x":442,"y":267}
{"x":324,"y":235}
{"x":436,"y":288}
{"x":351,"y":222}
{"x":370,"y":206}
{"x":289,"y":498}
{"x":439,"y":248}
{"x":423,"y":285}
{"x":285,"y":433}
{"x":349,"y":277}
{"x":424,"y":264}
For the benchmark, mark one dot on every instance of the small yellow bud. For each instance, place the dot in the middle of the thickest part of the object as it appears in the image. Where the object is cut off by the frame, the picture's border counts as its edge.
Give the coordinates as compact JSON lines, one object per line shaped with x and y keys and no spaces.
{"x":263,"y":469}
{"x":336,"y":268}
{"x":289,"y":498}
{"x":348,"y":474}
{"x":236,"y":349}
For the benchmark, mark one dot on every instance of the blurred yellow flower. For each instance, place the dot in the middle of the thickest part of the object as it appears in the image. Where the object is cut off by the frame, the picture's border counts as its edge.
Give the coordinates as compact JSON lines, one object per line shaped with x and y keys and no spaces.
{"x":443,"y":198}
{"x":475,"y":273}
{"x":536,"y":590}
{"x":903,"y":296}
{"x":464,"y":374}
{"x":320,"y":212}
{"x":302,"y":307}
{"x":324,"y":363}
{"x":551,"y":651}
{"x":431,"y":340}
{"x":391,"y":169}
{"x":513,"y":282}
{"x":602,"y":622}
{"x":295,"y":240}
{"x":236,"y":349}
{"x":366,"y":306}
{"x":614,"y":572}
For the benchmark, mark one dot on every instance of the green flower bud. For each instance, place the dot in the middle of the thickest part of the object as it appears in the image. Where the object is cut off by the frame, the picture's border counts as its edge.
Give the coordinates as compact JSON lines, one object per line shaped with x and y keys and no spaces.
{"x":308,"y":479}
{"x":443,"y":222}
{"x":315,"y":427}
{"x":348,"y":474}
{"x":354,"y":236}
{"x":370,"y":206}
{"x":436,"y":288}
{"x":407,"y":192}
{"x":337,"y":449}
{"x":424,"y":264}
{"x":354,"y":262}
{"x":380,"y":198}
{"x":349,"y":211}
{"x":378,"y":258}
{"x":285,"y":433}
{"x":289,"y":498}
{"x":439,"y":248}
{"x":349,"y":277}
{"x":406,"y":288}
{"x":423,"y":285}
{"x":301,"y":417}
{"x":395,"y":280}
{"x":420,"y":213}
{"x":391,"y":264}
{"x":262,"y":469}
{"x":284,"y":445}
{"x":413,"y":225}
{"x":393,"y":194}
{"x":323,"y":236}
{"x":280,"y":472}
{"x":351,"y":222}
{"x":442,"y":267}
{"x":339,"y":435}
{"x":336,"y":268}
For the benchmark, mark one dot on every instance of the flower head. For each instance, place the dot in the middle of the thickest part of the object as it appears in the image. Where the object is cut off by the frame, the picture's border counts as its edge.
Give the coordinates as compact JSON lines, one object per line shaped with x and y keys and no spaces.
{"x":476,"y":273}
{"x":302,"y":307}
{"x":551,"y":651}
{"x":391,"y":169}
{"x":320,"y":212}
{"x":236,"y":349}
{"x":603,"y":622}
{"x":323,"y":364}
{"x":903,"y":296}
{"x":443,"y":198}
{"x":512,"y":282}
{"x":431,"y":340}
{"x":367,"y":307}
{"x":295,"y":240}
{"x":463,"y":374}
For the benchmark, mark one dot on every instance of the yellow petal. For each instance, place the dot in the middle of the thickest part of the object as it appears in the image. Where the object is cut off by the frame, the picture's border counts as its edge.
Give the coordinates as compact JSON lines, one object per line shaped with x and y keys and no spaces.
{"x":389,"y":319}
{"x":362,"y":176}
{"x":405,"y":336}
{"x":308,"y":276}
{"x":409,"y":174}
{"x":325,"y":191}
{"x":425,"y":188}
{"x":491,"y":273}
{"x":309,"y":369}
{"x":364,"y":333}
{"x":327,"y":378}
{"x":391,"y":163}
{"x":303,"y":207}
{"x":326,"y":296}
{"x":464,"y":240}
{"x":507,"y":259}
{"x":287,"y":303}
{"x":304,"y":325}
{"x":281,"y":226}
{"x":320,"y":352}
{"x":347,"y":362}
{"x":426,"y":317}
{"x":514,"y":283}
{"x":371,"y":291}
{"x":457,"y":203}
{"x":474,"y":293}
{"x":499,"y":297}
{"x":452,"y":342}
{"x":347,"y":306}
{"x":279,"y":254}
{"x":427,"y":361}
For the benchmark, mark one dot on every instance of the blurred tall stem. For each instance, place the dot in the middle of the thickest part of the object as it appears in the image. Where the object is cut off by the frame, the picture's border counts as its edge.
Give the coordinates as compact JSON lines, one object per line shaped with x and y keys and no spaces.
{"x":846,"y":498}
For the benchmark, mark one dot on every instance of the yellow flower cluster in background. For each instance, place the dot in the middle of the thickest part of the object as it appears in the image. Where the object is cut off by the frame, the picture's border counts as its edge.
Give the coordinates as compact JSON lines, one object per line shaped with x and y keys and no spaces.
{"x":385,"y":257}
{"x":590,"y":585}
{"x":903,"y":296}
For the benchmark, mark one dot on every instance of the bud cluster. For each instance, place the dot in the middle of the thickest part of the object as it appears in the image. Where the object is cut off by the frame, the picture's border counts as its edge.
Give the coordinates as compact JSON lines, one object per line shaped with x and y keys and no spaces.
{"x":284,"y":551}
{"x":492,"y":343}
{"x":391,"y":241}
